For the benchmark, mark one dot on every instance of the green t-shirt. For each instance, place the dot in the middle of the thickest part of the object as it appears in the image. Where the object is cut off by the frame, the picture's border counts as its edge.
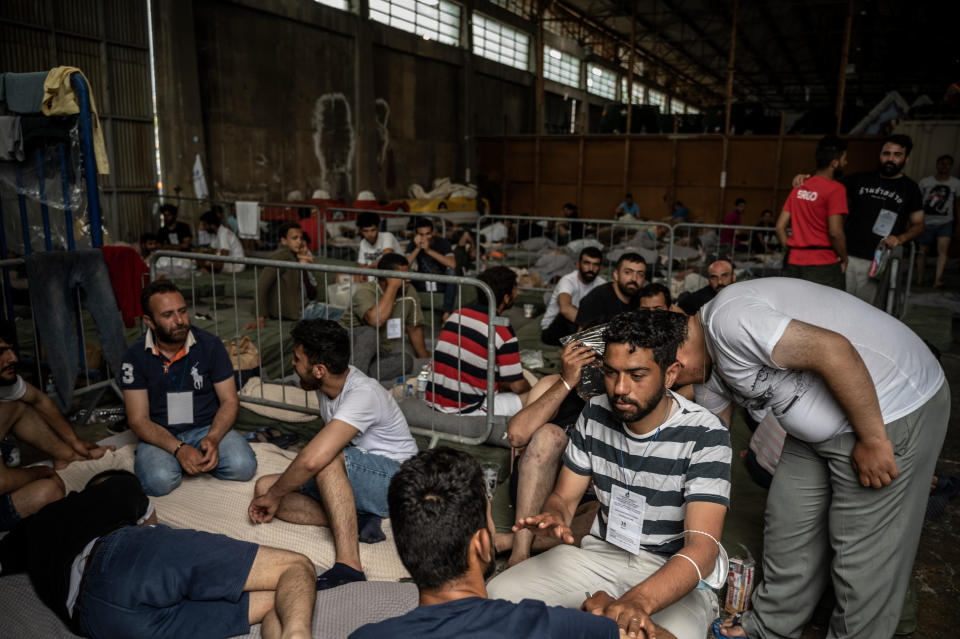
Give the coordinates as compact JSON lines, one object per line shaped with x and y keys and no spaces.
{"x":406,"y":307}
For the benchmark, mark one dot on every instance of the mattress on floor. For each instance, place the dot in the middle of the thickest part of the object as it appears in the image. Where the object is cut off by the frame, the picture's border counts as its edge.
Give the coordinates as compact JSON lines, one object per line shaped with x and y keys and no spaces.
{"x":212,"y":505}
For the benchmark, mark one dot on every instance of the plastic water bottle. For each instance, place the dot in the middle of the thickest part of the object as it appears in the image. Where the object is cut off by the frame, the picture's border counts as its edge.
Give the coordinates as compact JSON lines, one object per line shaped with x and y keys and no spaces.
{"x":422,"y":380}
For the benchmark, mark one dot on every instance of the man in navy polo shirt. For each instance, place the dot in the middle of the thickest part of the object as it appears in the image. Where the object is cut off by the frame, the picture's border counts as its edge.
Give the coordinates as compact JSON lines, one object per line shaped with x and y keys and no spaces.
{"x":180,"y":398}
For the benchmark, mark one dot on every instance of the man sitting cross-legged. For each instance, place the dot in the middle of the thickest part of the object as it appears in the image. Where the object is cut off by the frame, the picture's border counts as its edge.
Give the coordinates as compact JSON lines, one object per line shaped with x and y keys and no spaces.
{"x":444,"y":534}
{"x":98,"y":559}
{"x":347,"y":466}
{"x":661,"y":469}
{"x":35,"y":419}
{"x":552,"y":409}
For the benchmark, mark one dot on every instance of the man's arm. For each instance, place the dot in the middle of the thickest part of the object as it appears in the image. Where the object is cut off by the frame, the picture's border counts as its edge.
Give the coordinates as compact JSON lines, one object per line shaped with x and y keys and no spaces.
{"x":448,"y":261}
{"x":559,"y":508}
{"x":378,"y":314}
{"x":137,"y":405}
{"x":567,"y":309}
{"x":519,"y":387}
{"x":838,"y":239}
{"x":673,"y":580}
{"x":806,"y":347}
{"x":12,"y":479}
{"x":223,"y":421}
{"x":315,"y":456}
{"x":782,"y":223}
{"x":915,"y":229}
{"x":50,"y":414}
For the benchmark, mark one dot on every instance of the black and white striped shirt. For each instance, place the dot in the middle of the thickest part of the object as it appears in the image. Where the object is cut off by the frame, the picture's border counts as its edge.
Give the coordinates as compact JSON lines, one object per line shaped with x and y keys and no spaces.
{"x":687,"y":459}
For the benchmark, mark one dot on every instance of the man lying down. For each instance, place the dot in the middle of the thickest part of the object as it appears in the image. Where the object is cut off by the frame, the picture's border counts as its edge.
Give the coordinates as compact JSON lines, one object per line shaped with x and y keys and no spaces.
{"x":99,"y":560}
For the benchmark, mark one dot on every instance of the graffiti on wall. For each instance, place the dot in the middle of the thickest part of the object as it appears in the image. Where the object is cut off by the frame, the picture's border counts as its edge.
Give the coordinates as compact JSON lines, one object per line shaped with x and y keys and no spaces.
{"x":333,"y":144}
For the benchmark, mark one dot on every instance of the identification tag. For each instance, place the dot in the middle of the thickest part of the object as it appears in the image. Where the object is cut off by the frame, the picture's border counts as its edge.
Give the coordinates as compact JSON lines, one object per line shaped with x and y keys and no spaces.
{"x":625,"y":520}
{"x":394,"y":328}
{"x":173,"y":238}
{"x":431,"y":287}
{"x":885,"y":223}
{"x":180,"y":408}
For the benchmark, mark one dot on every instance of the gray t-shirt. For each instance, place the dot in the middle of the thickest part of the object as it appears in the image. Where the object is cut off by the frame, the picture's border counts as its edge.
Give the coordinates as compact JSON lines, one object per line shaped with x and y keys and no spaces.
{"x":367,"y":406}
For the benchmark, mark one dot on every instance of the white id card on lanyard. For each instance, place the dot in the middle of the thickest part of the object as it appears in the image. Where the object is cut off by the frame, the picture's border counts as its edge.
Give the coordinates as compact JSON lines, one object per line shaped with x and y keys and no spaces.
{"x":180,"y":408}
{"x":625,"y":519}
{"x":394,"y":328}
{"x":885,"y":223}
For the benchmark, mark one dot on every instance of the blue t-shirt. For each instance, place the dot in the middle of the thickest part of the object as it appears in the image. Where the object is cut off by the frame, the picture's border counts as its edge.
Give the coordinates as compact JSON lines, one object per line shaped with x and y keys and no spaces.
{"x":630,"y":209}
{"x":476,"y":618}
{"x":205,"y":363}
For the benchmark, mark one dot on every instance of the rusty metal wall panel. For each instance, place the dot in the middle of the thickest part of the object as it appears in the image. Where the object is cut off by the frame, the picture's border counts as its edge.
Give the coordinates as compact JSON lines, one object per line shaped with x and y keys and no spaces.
{"x":23,"y":49}
{"x":77,"y":16}
{"x":23,"y":11}
{"x":126,"y":21}
{"x":85,"y":55}
{"x":129,"y":81}
{"x":133,"y":163}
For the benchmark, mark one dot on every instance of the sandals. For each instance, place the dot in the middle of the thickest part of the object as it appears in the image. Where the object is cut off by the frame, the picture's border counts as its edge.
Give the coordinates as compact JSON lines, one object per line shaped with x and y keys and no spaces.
{"x":734,"y":622}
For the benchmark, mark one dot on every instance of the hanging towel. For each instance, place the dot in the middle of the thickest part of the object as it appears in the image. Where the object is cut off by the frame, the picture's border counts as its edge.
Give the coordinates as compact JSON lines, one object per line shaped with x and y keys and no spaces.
{"x":11,"y":138}
{"x":128,"y":275}
{"x":248,"y":220}
{"x":60,"y":99}
{"x":23,"y":92}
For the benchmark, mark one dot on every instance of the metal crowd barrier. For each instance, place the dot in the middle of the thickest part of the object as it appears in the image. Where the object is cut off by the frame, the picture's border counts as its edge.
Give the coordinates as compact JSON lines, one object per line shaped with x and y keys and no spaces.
{"x":332,"y":270}
{"x":272,"y":215}
{"x":395,"y":222}
{"x":640,"y":234}
{"x":707,"y":239}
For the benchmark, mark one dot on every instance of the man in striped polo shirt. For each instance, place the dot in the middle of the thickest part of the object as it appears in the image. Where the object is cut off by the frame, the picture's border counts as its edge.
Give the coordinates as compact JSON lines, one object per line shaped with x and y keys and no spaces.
{"x":660,"y":465}
{"x":459,"y":382}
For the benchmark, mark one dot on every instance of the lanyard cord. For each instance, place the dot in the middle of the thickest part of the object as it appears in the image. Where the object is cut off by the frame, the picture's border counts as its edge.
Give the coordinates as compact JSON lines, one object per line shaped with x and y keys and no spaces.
{"x":623,"y":444}
{"x":183,"y":374}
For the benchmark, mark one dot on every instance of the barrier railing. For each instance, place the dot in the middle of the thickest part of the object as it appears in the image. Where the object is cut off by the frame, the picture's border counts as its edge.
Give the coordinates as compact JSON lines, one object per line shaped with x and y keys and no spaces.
{"x":754,"y":249}
{"x":395,"y":222}
{"x":271,"y":215}
{"x":327,"y":270}
{"x":649,"y":238}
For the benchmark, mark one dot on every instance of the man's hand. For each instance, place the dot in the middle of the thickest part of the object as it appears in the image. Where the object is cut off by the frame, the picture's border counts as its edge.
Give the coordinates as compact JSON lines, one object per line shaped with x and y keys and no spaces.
{"x":573,"y":357}
{"x":546,"y":525}
{"x":305,"y":257}
{"x":873,"y":461}
{"x":191,"y":459}
{"x":421,"y":243}
{"x":211,"y":453}
{"x":631,"y":618}
{"x":891,"y":241}
{"x":843,"y":266}
{"x":799,"y":179}
{"x":90,"y":450}
{"x":263,"y":508}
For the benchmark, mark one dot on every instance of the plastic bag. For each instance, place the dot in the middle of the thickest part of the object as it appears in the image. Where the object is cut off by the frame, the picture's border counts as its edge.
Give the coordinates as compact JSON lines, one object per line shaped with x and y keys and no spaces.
{"x":591,"y":377}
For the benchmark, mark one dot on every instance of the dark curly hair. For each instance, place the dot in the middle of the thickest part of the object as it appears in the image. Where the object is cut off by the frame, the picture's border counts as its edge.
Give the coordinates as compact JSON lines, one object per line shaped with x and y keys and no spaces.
{"x":660,"y":331}
{"x":437,"y":502}
{"x":367,"y":219}
{"x":392,"y":262}
{"x":656,"y":288}
{"x":501,"y":281}
{"x":324,"y":342}
{"x":156,"y":287}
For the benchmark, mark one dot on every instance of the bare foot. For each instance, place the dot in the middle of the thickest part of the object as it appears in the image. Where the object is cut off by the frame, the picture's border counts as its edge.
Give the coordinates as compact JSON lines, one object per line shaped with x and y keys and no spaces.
{"x":731,"y":627}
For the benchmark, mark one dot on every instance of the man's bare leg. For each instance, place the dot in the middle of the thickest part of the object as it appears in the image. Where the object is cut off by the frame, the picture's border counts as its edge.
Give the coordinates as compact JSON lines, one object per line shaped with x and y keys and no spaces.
{"x":415,"y":333}
{"x":31,"y":497}
{"x":538,"y":473}
{"x":27,"y":424}
{"x":943,"y":248}
{"x":294,"y":507}
{"x":282,"y":593}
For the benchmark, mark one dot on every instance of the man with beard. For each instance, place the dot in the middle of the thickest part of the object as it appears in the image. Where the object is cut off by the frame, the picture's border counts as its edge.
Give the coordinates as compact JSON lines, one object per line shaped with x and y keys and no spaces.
{"x":815,"y":212}
{"x":561,"y":314}
{"x":33,"y":417}
{"x":885,"y":205}
{"x":865,"y":406}
{"x":345,"y":469}
{"x":614,"y":297}
{"x":660,"y":466}
{"x":180,"y":398}
{"x":445,"y":537}
{"x":719,"y":275}
{"x":941,"y":205}
{"x":459,"y":380}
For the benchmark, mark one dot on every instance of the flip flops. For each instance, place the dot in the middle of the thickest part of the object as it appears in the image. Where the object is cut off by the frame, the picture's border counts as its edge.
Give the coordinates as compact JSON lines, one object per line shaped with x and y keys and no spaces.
{"x":735,"y":621}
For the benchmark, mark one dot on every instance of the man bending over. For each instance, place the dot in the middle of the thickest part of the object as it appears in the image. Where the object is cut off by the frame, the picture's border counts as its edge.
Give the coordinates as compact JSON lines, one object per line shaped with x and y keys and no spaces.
{"x":661,"y":469}
{"x":347,"y":466}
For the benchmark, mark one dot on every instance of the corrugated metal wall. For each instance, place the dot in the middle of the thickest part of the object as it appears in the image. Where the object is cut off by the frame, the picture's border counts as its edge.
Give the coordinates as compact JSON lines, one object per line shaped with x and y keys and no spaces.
{"x":108,"y":41}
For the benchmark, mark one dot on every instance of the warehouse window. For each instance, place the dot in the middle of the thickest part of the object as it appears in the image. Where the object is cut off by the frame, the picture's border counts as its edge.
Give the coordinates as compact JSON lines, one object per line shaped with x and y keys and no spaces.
{"x":561,"y":67}
{"x":693,"y":110}
{"x":519,"y":7}
{"x":655,"y":98}
{"x":343,"y":5}
{"x":637,"y":97}
{"x":498,"y":42}
{"x":676,"y":106}
{"x":431,"y":19}
{"x":601,"y":82}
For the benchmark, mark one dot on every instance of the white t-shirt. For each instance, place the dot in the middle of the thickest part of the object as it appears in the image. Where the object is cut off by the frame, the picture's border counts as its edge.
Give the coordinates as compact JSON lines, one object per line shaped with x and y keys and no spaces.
{"x":13,"y":392}
{"x":225,"y":239}
{"x":938,"y":199}
{"x":571,"y":284}
{"x":496,"y":232}
{"x":745,"y":321}
{"x":370,"y":253}
{"x":367,"y":406}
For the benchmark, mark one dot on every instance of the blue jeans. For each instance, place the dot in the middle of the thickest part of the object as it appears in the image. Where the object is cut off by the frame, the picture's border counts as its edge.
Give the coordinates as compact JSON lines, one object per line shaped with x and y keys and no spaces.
{"x":160,"y":472}
{"x":155,"y":581}
{"x":53,"y":278}
{"x":369,"y":476}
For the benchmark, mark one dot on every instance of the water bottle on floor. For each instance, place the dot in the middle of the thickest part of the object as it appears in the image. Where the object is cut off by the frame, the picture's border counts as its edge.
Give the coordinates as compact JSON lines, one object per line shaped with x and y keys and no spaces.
{"x":422,"y":380}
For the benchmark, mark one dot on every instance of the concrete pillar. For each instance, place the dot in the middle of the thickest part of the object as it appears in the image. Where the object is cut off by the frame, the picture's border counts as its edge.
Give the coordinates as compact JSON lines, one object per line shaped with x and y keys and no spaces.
{"x":366,"y":174}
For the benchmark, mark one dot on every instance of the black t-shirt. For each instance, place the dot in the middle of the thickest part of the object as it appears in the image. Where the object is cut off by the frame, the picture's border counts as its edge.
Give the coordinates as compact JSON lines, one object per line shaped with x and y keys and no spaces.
{"x":691,"y":302}
{"x":180,"y":231}
{"x":45,"y":544}
{"x":867,"y":195}
{"x":476,"y":618}
{"x":425,"y":263}
{"x":602,"y":303}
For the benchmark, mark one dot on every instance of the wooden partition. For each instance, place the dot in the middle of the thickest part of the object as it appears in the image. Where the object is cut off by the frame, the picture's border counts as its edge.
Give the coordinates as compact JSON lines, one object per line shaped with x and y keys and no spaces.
{"x":596,"y":171}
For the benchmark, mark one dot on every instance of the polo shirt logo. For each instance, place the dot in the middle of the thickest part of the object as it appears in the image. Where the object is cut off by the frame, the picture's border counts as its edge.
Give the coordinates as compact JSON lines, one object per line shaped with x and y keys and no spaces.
{"x":197,"y":378}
